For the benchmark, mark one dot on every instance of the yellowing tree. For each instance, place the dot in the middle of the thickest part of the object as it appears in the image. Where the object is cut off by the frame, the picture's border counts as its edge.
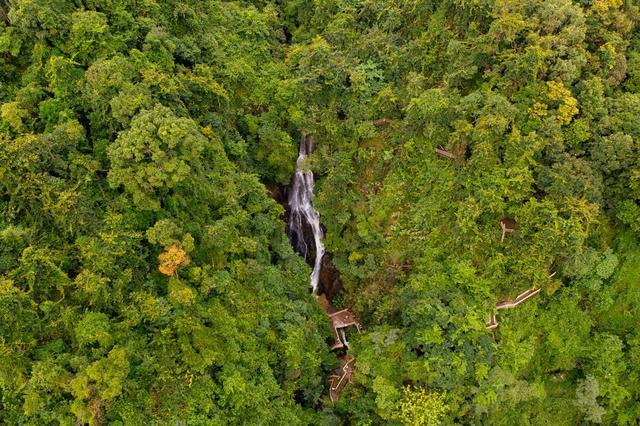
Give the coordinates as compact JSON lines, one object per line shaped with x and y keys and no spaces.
{"x":171,"y":259}
{"x":568,"y":105}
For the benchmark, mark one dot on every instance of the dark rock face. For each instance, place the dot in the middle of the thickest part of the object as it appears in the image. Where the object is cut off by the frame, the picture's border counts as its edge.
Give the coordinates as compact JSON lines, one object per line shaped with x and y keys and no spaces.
{"x":329,"y":278}
{"x":303,"y":244}
{"x":278,"y":192}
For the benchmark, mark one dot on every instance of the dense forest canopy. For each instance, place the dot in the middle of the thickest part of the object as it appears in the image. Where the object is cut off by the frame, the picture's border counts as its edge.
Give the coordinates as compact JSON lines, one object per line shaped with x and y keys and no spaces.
{"x":145,"y":273}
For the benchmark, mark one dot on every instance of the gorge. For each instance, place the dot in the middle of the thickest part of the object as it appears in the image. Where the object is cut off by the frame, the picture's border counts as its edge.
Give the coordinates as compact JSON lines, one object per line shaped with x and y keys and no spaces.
{"x":306,"y":236}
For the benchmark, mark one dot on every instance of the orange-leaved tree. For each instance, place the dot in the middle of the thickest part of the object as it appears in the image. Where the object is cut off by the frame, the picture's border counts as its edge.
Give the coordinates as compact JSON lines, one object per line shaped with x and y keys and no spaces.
{"x":171,"y":259}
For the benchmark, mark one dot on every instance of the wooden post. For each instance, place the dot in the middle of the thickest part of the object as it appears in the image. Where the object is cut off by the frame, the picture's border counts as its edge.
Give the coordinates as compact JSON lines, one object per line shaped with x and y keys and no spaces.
{"x":492,"y":321}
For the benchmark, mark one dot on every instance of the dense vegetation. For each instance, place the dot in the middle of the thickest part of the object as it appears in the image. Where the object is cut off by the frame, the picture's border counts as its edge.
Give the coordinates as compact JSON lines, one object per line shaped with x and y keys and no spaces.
{"x":145,"y":276}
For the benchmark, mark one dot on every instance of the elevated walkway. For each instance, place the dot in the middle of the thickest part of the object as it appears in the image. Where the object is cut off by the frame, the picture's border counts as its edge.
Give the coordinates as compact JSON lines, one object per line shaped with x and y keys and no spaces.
{"x":508,"y":304}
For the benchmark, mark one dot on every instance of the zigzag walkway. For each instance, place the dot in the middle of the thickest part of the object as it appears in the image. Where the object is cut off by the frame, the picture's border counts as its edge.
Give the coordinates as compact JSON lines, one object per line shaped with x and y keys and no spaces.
{"x":340,"y":320}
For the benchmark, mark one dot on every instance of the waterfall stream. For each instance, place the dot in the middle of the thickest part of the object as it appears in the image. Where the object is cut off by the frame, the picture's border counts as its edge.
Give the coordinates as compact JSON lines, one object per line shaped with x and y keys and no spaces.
{"x":302,"y":214}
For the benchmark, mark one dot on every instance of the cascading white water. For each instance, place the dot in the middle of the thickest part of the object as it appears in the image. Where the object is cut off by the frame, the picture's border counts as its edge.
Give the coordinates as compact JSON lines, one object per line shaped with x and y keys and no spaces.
{"x":302,"y":212}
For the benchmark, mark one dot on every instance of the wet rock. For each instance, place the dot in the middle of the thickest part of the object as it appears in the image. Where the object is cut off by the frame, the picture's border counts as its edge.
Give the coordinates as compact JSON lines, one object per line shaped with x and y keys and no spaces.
{"x":277,"y":191}
{"x":329,"y":278}
{"x":303,"y":241}
{"x":325,"y":304}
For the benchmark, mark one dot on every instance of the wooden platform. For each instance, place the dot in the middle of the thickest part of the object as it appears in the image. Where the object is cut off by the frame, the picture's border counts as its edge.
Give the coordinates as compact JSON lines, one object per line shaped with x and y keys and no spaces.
{"x":339,"y":320}
{"x":344,"y":318}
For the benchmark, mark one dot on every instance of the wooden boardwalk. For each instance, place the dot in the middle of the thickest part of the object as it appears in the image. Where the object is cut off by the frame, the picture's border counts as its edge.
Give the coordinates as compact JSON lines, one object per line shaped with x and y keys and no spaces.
{"x":339,"y":321}
{"x":508,"y":304}
{"x":508,"y":226}
{"x":492,"y":321}
{"x":339,"y":378}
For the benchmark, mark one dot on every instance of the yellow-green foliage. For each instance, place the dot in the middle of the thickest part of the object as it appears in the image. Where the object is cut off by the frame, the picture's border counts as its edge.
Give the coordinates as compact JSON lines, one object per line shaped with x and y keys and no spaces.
{"x":422,"y":407}
{"x":145,"y":275}
{"x":567,"y":107}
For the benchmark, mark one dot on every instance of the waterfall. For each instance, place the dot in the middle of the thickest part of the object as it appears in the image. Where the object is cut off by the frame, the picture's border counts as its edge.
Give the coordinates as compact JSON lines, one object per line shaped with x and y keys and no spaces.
{"x":302,"y":215}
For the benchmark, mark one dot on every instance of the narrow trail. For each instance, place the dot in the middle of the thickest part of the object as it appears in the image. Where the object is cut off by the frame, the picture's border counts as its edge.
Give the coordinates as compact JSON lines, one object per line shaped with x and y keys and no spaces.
{"x":306,"y":236}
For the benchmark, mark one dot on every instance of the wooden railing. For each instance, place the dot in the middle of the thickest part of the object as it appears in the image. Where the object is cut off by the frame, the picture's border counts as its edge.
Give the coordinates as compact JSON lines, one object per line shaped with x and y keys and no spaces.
{"x":507,"y":304}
